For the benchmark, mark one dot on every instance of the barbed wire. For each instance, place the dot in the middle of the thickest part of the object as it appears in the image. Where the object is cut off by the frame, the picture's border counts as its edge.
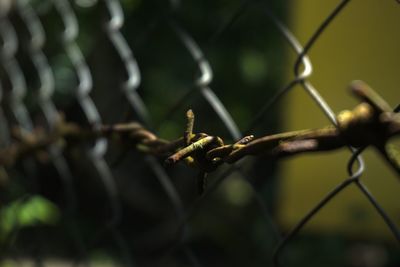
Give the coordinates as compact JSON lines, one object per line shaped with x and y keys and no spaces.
{"x":95,"y":152}
{"x":17,"y":113}
{"x":129,"y":88}
{"x":206,"y":153}
{"x":37,"y":39}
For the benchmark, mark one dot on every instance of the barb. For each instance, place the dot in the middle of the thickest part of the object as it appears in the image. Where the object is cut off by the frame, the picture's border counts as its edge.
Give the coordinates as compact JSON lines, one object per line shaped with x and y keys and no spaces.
{"x":205,"y":79}
{"x":136,"y":104}
{"x":371,"y":123}
{"x":207,"y":152}
{"x":130,"y":87}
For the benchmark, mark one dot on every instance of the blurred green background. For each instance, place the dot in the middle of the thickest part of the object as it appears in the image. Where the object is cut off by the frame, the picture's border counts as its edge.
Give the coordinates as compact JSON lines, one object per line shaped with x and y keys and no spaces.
{"x":237,"y":224}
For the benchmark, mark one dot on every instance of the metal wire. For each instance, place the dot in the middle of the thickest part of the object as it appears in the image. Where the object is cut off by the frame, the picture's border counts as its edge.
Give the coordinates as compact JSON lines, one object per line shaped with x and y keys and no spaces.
{"x":20,"y":117}
{"x":14,"y":72}
{"x":205,"y":79}
{"x":129,"y":87}
{"x":331,"y":115}
{"x":48,"y":109}
{"x":96,"y":152}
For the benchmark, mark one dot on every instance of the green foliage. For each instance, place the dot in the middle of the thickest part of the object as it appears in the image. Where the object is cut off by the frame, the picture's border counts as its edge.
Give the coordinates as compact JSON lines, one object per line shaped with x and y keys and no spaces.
{"x":32,"y":211}
{"x":253,"y":66}
{"x":130,"y":5}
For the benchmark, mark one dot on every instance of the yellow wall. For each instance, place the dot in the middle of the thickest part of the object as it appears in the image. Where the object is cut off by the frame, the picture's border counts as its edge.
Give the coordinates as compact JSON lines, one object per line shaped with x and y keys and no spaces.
{"x":363,"y":43}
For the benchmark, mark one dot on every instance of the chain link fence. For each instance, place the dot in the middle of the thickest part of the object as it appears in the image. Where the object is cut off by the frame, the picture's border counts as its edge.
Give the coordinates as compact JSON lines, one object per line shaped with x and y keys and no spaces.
{"x":101,"y":201}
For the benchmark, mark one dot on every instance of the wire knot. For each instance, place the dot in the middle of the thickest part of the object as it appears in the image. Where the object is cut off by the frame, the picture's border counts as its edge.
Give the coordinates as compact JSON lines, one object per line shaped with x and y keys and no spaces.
{"x":194,"y":153}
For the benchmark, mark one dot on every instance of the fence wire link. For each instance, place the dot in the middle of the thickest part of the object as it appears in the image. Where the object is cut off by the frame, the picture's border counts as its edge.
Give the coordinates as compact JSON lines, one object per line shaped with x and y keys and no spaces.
{"x":131,"y":90}
{"x":37,"y":39}
{"x":97,"y":151}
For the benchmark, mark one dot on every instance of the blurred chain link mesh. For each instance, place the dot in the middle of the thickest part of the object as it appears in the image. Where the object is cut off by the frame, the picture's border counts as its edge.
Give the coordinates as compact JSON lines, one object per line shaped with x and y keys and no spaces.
{"x":101,"y":203}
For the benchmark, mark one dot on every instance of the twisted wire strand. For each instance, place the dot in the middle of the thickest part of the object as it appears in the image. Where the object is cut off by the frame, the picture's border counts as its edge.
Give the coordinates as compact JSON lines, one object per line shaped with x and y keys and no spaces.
{"x":301,"y":79}
{"x":48,"y":109}
{"x":213,"y":151}
{"x":302,"y":71}
{"x":96,"y":152}
{"x":307,"y":71}
{"x":83,"y":89}
{"x":15,"y":99}
{"x":381,"y":125}
{"x":46,"y":89}
{"x":202,"y":84}
{"x":206,"y":75}
{"x":330,"y":114}
{"x":236,"y":167}
{"x":129,"y":88}
{"x":19,"y":112}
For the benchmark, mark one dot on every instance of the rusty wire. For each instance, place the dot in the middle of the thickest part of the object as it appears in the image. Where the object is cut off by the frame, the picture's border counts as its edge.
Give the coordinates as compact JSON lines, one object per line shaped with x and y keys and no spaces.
{"x":96,"y":152}
{"x":206,"y":152}
{"x":37,"y":39}
{"x":199,"y":150}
